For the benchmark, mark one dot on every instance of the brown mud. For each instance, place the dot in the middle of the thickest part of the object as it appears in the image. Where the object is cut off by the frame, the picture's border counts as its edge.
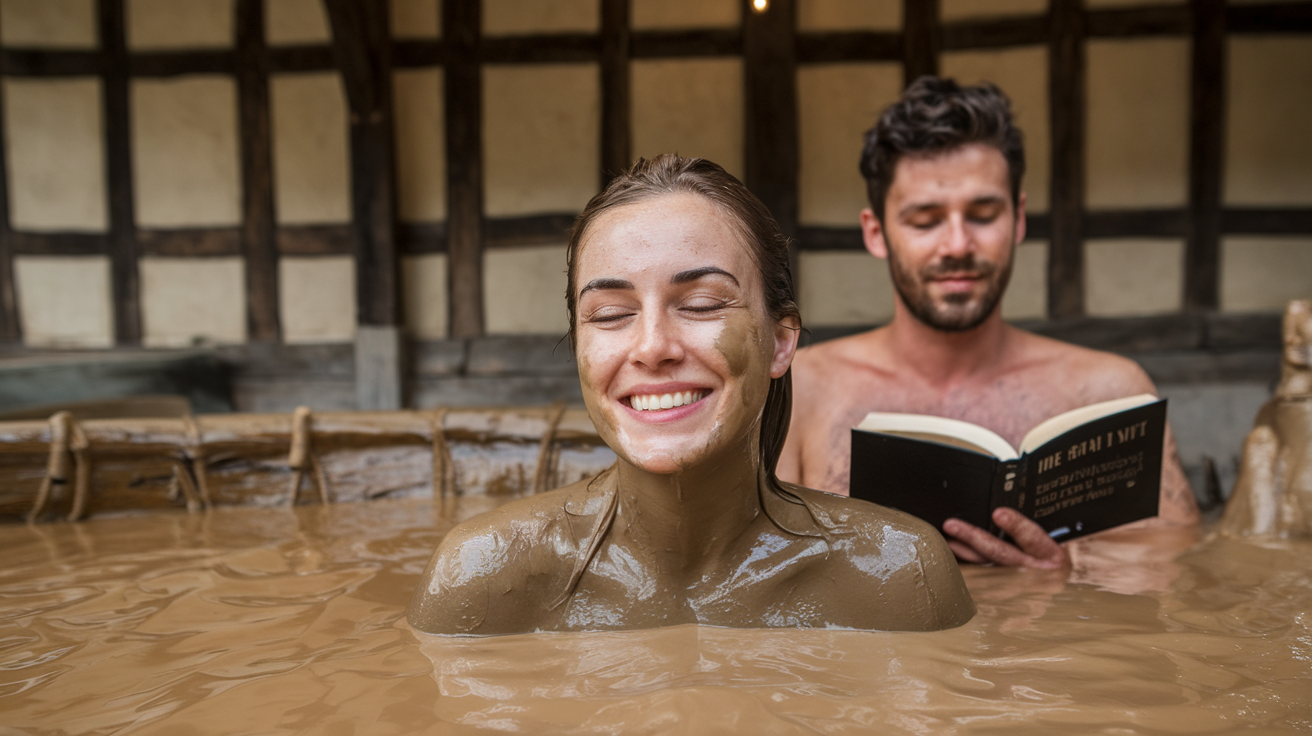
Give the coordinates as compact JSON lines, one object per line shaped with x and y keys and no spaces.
{"x":245,"y":620}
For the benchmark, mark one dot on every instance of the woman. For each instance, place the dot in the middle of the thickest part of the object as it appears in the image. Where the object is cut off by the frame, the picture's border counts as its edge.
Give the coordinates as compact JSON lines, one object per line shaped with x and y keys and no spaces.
{"x":683,"y":323}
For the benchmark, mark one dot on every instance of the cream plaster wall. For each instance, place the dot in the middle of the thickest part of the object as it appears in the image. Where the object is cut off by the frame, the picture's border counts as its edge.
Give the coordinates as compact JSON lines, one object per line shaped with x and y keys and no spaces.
{"x":837,"y":104}
{"x":1027,"y":295}
{"x":170,"y":24}
{"x":316,"y":298}
{"x":66,"y":24}
{"x":1264,"y":273}
{"x":1022,"y":74}
{"x":64,"y":301}
{"x":311,"y":151}
{"x":842,"y":15}
{"x":54,"y":146}
{"x":416,"y":18}
{"x":1138,"y":123}
{"x":190,"y":301}
{"x":843,"y":288}
{"x":185,"y":160}
{"x":515,"y":17}
{"x":541,"y":127}
{"x":693,"y":107}
{"x":656,"y":14}
{"x":1133,"y":276}
{"x":424,"y":295}
{"x":289,"y":22}
{"x":420,"y":145}
{"x":524,"y":290}
{"x":1268,"y":149}
{"x":959,"y":9}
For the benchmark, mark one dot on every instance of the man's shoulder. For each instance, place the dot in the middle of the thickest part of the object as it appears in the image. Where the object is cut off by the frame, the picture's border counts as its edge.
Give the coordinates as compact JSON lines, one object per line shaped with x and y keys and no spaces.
{"x":1095,"y":374}
{"x":859,"y":354}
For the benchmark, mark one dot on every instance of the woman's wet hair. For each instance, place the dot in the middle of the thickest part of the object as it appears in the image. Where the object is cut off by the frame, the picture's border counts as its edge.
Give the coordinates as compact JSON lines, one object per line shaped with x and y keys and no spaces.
{"x":936,"y":116}
{"x":672,"y":174}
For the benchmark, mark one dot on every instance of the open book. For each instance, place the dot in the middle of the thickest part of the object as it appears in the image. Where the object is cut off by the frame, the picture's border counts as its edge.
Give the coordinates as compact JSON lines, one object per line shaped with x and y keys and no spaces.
{"x":1080,"y":472}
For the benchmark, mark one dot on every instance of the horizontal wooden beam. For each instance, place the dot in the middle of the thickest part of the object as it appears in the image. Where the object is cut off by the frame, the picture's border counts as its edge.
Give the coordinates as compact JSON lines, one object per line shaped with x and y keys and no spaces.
{"x":315,"y":240}
{"x":190,"y":242}
{"x":1269,"y":18}
{"x":657,"y":44}
{"x":1266,"y":221}
{"x":995,"y":33}
{"x":573,"y":47}
{"x":1135,"y":223}
{"x":17,"y":62}
{"x":58,"y":244}
{"x":290,"y":59}
{"x":843,"y":46}
{"x":176,"y":63}
{"x":1168,"y":20}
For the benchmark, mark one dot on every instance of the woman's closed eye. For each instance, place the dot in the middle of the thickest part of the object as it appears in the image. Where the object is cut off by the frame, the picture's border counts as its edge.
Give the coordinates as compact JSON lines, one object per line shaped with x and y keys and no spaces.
{"x":608,"y":314}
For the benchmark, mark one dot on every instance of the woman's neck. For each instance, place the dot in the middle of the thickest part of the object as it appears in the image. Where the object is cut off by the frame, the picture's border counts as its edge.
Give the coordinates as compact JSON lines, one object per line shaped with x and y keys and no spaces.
{"x":689,"y":519}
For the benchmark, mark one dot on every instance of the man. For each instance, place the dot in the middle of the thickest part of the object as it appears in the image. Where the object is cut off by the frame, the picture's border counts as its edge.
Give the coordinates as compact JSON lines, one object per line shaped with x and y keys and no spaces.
{"x":943,"y":170}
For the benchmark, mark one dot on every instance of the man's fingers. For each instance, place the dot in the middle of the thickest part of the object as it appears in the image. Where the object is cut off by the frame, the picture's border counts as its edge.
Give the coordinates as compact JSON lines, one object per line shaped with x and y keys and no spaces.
{"x":1031,"y":538}
{"x":985,"y":545}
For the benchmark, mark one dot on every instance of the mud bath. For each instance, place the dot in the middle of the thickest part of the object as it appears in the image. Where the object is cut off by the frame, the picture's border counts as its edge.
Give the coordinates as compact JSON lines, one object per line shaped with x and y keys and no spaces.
{"x":288,"y":621}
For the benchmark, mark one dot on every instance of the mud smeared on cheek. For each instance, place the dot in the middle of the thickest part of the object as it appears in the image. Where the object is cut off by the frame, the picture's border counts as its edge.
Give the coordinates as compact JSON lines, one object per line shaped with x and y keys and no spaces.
{"x":737,"y":341}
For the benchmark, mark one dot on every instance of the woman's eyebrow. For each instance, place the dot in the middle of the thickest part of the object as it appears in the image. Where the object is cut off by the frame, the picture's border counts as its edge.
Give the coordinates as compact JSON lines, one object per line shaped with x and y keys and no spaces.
{"x":684,"y":277}
{"x":606,"y":283}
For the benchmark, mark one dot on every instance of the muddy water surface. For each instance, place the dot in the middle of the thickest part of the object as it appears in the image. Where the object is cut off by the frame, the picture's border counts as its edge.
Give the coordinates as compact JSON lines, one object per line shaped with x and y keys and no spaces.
{"x":279,"y":621}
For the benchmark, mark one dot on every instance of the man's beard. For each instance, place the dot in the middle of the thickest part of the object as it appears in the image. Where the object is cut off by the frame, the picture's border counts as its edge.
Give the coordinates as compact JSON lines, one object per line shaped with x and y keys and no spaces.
{"x":952,"y":312}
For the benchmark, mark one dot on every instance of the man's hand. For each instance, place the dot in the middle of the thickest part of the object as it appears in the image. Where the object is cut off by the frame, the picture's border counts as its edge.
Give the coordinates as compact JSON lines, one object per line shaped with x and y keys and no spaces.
{"x":1033,"y":547}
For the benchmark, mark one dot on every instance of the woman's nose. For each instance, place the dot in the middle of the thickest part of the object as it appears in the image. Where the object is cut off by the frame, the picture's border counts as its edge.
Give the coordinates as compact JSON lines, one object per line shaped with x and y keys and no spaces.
{"x":658,"y":341}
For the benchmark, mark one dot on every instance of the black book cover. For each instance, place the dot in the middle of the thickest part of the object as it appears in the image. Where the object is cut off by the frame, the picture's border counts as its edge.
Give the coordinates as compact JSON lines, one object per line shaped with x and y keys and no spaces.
{"x":1101,"y":474}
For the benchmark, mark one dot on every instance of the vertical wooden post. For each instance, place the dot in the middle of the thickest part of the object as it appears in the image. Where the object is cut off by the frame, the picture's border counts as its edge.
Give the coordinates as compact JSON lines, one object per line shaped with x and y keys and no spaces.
{"x":1206,"y":156}
{"x":921,"y":38}
{"x":124,"y":269}
{"x":10,"y":329}
{"x":1066,"y":99}
{"x":258,"y":236}
{"x":363,"y":49}
{"x":616,"y":40}
{"x":771,"y":146}
{"x":461,"y":26}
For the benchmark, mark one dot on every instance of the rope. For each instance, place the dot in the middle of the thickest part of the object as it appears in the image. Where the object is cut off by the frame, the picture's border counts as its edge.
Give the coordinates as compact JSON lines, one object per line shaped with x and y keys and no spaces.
{"x":58,"y":466}
{"x":196,"y":454}
{"x":80,"y":447}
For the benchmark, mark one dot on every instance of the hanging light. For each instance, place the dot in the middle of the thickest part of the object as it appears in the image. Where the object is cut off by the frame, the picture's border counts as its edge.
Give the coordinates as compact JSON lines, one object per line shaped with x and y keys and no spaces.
{"x":760,"y":6}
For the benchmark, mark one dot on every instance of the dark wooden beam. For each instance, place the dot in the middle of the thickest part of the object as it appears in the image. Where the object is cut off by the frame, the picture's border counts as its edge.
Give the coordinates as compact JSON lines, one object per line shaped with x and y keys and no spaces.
{"x":1066,"y":99}
{"x":421,"y":237}
{"x":10,"y":325}
{"x":1202,"y":257}
{"x":292,"y":59}
{"x":316,"y":240}
{"x":19,"y":62}
{"x":844,"y":46}
{"x":616,"y":96}
{"x":921,"y":36}
{"x":1164,"y":223}
{"x":415,"y":53}
{"x":362,"y":46}
{"x":176,"y":63}
{"x":463,"y":93}
{"x":194,"y":242}
{"x":531,"y":230}
{"x":1267,"y":220}
{"x":660,"y":44}
{"x":1270,"y":18}
{"x":991,"y":33}
{"x":770,"y":155}
{"x":1165,"y":20}
{"x":58,"y":244}
{"x":123,"y":252}
{"x":257,"y":239}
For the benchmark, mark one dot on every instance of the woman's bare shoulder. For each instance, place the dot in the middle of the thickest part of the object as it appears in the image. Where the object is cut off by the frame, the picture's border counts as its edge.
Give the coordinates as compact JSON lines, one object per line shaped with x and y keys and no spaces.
{"x":901,"y":558}
{"x":498,"y":572}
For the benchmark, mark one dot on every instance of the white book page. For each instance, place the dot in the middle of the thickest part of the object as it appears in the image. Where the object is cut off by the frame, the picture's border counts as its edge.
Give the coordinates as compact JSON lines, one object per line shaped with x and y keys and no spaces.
{"x":945,"y":431}
{"x":1050,"y":428}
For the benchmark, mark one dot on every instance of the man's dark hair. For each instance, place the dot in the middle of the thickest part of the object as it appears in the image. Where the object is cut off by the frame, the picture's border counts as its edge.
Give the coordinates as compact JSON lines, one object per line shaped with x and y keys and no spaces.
{"x":935,"y":116}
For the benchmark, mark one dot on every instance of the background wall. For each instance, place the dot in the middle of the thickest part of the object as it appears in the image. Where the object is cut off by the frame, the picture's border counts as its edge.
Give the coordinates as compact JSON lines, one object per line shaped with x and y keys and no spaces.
{"x":180,"y":173}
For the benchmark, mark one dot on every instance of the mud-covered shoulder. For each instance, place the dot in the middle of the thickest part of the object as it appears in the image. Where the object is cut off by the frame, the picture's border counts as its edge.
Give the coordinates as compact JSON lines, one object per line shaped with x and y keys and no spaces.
{"x":498,"y":572}
{"x":903,"y":575}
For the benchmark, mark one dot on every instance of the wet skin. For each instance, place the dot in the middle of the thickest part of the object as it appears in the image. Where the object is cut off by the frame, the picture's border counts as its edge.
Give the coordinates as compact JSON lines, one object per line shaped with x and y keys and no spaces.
{"x":680,"y":530}
{"x":950,"y":228}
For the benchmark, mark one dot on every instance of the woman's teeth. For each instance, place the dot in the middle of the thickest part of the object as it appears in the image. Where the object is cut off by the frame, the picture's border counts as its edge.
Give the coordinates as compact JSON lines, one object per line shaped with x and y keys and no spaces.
{"x":655,"y":402}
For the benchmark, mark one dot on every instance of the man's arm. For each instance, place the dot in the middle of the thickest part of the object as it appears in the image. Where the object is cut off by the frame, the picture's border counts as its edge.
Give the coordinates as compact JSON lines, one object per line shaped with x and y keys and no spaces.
{"x":1033,"y":547}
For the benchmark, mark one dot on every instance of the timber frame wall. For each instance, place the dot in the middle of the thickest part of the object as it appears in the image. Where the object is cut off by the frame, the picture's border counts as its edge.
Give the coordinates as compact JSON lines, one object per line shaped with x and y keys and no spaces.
{"x":772,"y":49}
